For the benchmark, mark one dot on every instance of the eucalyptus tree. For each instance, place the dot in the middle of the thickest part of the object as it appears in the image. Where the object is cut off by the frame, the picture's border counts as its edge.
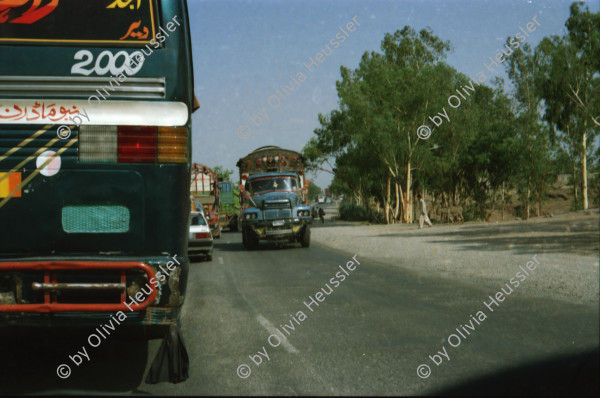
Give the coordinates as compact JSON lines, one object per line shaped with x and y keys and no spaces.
{"x":382,"y":103}
{"x":487,"y":159}
{"x":570,"y":83}
{"x":534,"y":150}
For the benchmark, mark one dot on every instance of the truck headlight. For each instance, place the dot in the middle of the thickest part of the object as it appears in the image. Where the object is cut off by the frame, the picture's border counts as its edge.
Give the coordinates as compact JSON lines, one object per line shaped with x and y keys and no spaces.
{"x":250,"y":216}
{"x":303,"y":213}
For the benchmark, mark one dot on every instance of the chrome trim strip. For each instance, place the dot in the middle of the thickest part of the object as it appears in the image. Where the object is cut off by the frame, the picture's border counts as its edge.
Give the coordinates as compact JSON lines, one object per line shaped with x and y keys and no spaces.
{"x":77,"y":286}
{"x":77,"y":86}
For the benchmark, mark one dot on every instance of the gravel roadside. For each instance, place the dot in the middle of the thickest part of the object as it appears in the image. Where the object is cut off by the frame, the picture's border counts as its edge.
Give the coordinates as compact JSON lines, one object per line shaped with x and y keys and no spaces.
{"x":486,"y":254}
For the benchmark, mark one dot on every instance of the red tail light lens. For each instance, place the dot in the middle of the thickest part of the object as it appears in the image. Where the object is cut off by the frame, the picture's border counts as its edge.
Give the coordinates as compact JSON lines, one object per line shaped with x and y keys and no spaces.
{"x":133,"y":144}
{"x":203,"y":235}
{"x":137,"y":144}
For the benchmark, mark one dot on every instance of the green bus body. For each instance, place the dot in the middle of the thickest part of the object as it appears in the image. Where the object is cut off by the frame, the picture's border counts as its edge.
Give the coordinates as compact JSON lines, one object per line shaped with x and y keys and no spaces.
{"x":128,"y":210}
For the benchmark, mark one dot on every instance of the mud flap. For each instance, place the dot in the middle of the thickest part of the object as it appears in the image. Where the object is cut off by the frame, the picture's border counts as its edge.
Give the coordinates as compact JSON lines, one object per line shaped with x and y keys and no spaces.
{"x":171,"y":363}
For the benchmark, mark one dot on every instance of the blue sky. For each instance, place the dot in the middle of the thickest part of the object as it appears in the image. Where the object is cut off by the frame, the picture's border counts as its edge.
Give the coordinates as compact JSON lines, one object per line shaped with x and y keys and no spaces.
{"x":246,"y":50}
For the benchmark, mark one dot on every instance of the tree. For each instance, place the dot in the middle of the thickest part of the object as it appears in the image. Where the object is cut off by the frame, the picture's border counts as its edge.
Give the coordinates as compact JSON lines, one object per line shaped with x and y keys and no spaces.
{"x":533,"y":148}
{"x":488,"y":157}
{"x":382,"y":102}
{"x":570,"y":83}
{"x":313,"y":190}
{"x":490,"y":141}
{"x":222,"y":173}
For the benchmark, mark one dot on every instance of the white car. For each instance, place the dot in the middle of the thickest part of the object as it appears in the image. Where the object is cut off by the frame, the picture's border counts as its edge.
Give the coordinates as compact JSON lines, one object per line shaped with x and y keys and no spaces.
{"x":321,"y":199}
{"x":201,"y":240}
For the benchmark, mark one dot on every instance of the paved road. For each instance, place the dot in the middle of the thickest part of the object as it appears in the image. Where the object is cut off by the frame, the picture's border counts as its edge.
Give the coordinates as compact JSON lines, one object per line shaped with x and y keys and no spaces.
{"x":367,"y":337}
{"x":371,"y":333}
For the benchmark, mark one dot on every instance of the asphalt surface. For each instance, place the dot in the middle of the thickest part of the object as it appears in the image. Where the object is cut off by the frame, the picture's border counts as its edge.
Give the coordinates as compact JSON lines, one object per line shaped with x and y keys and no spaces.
{"x":372,"y":332}
{"x":367,"y":337}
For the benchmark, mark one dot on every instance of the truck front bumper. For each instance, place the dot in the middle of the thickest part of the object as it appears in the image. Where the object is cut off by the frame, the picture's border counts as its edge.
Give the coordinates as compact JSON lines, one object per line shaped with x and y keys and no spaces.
{"x":288,"y":229}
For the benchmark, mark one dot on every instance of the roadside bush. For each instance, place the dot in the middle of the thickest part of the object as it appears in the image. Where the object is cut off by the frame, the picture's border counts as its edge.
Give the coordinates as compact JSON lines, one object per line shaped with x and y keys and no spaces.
{"x":594,"y":190}
{"x":577,"y":205}
{"x":353,"y":212}
{"x":472,"y":213}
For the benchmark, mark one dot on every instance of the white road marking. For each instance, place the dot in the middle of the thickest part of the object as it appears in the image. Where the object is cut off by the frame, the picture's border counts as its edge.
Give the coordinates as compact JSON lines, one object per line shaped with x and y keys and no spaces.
{"x":220,"y":260}
{"x":271,"y":329}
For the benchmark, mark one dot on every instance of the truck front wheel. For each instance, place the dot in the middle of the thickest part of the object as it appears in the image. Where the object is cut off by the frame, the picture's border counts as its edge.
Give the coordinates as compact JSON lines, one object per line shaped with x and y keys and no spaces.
{"x":249,"y":239}
{"x":305,"y":241}
{"x":233,"y":224}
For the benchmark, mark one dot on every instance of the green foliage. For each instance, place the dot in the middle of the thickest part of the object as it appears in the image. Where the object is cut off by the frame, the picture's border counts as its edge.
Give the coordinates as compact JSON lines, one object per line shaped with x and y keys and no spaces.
{"x":595,"y":189}
{"x":569,"y":83}
{"x":522,"y":138}
{"x":223,"y":173}
{"x":338,"y":187}
{"x":576,"y":205}
{"x":352,"y":212}
{"x":313,"y":190}
{"x":472,"y":213}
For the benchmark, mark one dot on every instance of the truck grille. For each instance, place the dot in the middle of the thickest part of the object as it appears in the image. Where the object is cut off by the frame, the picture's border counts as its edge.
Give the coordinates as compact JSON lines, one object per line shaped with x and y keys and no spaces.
{"x":275,"y":214}
{"x":277,"y":204}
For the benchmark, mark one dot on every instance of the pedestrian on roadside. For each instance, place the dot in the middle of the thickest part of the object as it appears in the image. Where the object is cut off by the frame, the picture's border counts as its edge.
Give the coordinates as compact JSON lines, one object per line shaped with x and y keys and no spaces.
{"x":423,"y":212}
{"x":321,"y":214}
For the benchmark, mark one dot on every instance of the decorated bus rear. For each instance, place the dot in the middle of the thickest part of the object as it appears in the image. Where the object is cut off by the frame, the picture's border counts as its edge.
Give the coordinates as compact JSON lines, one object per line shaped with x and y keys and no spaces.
{"x":95,"y":127}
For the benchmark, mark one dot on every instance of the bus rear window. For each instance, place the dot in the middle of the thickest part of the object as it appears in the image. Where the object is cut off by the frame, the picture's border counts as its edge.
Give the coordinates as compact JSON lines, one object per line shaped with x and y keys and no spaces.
{"x":127,"y":22}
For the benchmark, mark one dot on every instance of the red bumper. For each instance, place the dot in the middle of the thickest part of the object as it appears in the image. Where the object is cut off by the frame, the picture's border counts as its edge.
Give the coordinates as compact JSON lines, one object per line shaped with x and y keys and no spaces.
{"x":50,"y":284}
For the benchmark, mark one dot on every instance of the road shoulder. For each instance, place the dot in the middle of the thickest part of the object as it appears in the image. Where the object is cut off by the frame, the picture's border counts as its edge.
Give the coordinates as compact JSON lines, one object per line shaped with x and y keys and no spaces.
{"x":487,"y":254}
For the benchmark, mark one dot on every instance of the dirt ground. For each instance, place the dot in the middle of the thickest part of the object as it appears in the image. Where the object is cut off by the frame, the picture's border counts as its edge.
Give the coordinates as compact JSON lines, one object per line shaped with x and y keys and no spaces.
{"x":487,"y":254}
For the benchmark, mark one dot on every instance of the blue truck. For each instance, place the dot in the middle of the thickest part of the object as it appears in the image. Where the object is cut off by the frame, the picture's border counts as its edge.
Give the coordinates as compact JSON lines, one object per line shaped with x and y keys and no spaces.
{"x":273,"y":203}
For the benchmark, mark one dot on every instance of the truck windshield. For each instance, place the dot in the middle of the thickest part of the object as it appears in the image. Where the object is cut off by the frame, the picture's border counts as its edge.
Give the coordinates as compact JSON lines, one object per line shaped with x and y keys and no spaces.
{"x":282,"y":183}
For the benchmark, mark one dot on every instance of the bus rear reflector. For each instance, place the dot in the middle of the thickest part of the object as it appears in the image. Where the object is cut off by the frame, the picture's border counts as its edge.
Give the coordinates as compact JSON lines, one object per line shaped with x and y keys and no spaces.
{"x":133,"y":144}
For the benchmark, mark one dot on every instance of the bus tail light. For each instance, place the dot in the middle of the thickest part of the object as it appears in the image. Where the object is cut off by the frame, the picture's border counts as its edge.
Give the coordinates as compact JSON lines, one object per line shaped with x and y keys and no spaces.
{"x":172,"y":144}
{"x":133,"y":144}
{"x":98,"y":144}
{"x":137,"y":144}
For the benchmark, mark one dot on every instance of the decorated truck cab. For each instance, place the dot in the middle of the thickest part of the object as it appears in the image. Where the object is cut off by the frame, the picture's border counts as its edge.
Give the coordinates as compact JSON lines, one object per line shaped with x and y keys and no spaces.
{"x":273,"y":197}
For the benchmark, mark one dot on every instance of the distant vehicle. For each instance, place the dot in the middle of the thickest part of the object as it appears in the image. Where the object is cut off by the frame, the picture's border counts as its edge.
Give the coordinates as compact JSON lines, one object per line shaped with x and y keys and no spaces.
{"x":229,"y":208}
{"x":321,"y":198}
{"x":200,"y":240}
{"x":204,"y":188}
{"x":274,"y":205}
{"x":328,"y":200}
